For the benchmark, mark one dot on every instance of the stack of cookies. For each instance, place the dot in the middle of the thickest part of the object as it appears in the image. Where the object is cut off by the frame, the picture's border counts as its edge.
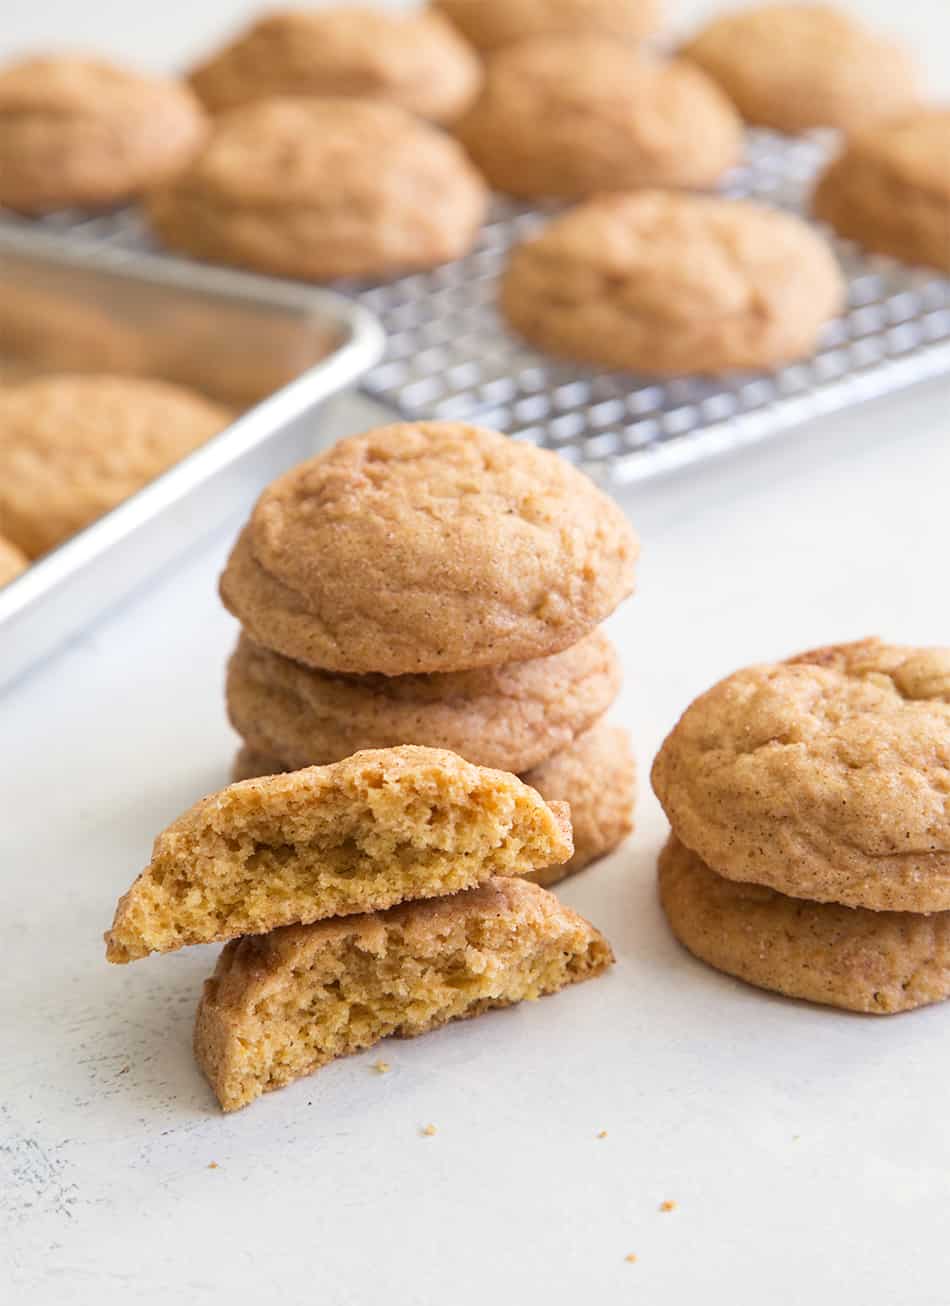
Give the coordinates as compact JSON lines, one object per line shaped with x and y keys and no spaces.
{"x":810,"y":806}
{"x":441,"y":585}
{"x":381,"y":895}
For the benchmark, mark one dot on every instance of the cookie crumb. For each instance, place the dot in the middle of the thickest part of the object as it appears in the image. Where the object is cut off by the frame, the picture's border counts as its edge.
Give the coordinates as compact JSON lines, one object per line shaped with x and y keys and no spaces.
{"x":212,"y":1165}
{"x":667,"y":1206}
{"x":602,"y":1134}
{"x":429,"y":1130}
{"x":381,"y":1066}
{"x":631,"y":1258}
{"x":125,"y":1070}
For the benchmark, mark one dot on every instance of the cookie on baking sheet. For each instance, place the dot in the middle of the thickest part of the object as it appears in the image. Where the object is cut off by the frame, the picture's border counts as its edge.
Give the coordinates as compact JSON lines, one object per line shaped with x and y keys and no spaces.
{"x":795,"y":66}
{"x":570,"y":115}
{"x":282,"y":1006}
{"x":824,"y":777}
{"x":416,"y":60}
{"x":320,"y":189}
{"x":889,"y":188}
{"x":363,"y":834}
{"x":72,"y":447}
{"x":489,"y":24}
{"x":13,"y":561}
{"x":511,"y":717}
{"x":428,"y":546}
{"x":82,"y":132}
{"x":871,"y":961}
{"x":662,"y":283}
{"x":596,"y":776}
{"x":46,"y":331}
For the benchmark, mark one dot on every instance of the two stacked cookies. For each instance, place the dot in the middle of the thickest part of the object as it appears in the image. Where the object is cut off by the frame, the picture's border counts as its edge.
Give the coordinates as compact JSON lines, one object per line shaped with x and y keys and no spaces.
{"x":381,"y":895}
{"x":810,"y":806}
{"x":441,"y":585}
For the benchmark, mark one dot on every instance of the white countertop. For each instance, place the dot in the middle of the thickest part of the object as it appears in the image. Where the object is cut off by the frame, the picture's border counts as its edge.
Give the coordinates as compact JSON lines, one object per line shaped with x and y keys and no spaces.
{"x":808,"y":1151}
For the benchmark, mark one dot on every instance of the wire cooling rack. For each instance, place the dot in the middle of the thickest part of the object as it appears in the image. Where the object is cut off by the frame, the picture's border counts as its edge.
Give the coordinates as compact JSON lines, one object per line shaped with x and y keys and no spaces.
{"x":449,"y":354}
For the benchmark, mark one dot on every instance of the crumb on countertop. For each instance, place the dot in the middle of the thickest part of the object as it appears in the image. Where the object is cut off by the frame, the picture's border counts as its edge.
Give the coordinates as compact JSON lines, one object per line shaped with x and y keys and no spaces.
{"x":667,"y":1205}
{"x":430,"y":1130}
{"x":381,"y":1066}
{"x":125,"y":1070}
{"x":631,"y":1257}
{"x":212,"y":1165}
{"x":602,"y":1134}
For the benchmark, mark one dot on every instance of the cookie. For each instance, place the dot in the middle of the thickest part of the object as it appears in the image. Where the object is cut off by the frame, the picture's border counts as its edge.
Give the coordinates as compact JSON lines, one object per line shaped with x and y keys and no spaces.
{"x":796,"y":66}
{"x":871,"y":961}
{"x":48,"y":331}
{"x":12,"y":561}
{"x":416,"y":60}
{"x":661,"y":283}
{"x":72,"y":447}
{"x":570,"y":115}
{"x":889,"y":189}
{"x":361,"y":835}
{"x":510,"y":717}
{"x":282,"y":1006}
{"x":81,"y":132}
{"x":428,"y":546}
{"x":596,"y":776}
{"x":319,"y":189}
{"x":825,"y":777}
{"x":489,"y":24}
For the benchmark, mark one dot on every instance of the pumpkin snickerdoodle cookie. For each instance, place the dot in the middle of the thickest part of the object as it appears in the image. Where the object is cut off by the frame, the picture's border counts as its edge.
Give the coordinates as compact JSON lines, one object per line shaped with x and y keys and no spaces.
{"x":889,"y":188}
{"x":663,"y":283}
{"x":796,"y":66}
{"x":428,"y":547}
{"x":511,"y":717}
{"x":871,"y":961}
{"x":81,"y":132}
{"x":282,"y":1006}
{"x":321,"y":189}
{"x":72,"y":447}
{"x":416,"y":60}
{"x":13,"y":561}
{"x":361,"y":835}
{"x":596,"y":776}
{"x":570,"y":115}
{"x":826,"y":777}
{"x":489,"y":24}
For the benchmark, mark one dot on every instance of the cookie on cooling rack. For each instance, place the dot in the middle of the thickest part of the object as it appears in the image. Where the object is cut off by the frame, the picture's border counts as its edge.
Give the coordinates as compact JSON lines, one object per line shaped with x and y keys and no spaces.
{"x":570,"y":115}
{"x":320,"y":189}
{"x":416,"y":60}
{"x":489,"y":24}
{"x":662,"y":283}
{"x":796,"y":66}
{"x":889,"y":188}
{"x":78,"y":132}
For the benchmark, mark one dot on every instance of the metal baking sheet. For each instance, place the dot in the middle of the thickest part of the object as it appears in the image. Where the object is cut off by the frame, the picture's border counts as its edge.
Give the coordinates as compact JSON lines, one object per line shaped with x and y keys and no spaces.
{"x":274,"y":349}
{"x":449,"y":355}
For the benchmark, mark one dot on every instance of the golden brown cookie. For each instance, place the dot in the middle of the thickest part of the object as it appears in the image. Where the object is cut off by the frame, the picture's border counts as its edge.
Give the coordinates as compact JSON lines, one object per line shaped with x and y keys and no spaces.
{"x":48,"y":331}
{"x":889,"y":188}
{"x":872,"y":961}
{"x":320,"y":189}
{"x":363,"y":834}
{"x":596,"y":776}
{"x":511,"y":717}
{"x":795,"y":66}
{"x":416,"y":60}
{"x":825,"y":777}
{"x":570,"y":115}
{"x":489,"y":24}
{"x":282,"y":1006}
{"x":13,"y":561}
{"x":662,"y":283}
{"x":81,"y":132}
{"x":72,"y":447}
{"x":428,"y":546}
{"x":251,"y":765}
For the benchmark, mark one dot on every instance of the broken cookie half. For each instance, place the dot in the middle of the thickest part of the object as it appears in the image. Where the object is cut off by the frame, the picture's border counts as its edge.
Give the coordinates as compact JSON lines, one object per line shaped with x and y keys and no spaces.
{"x":281,"y":1006}
{"x":380,"y":828}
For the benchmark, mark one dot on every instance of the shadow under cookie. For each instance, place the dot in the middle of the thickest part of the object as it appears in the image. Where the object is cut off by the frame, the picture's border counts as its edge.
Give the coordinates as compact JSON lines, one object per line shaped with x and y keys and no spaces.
{"x":877,"y":962}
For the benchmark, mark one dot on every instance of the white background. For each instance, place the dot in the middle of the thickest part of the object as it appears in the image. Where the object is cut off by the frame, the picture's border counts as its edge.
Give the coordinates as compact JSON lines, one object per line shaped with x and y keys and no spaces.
{"x":808,"y":1150}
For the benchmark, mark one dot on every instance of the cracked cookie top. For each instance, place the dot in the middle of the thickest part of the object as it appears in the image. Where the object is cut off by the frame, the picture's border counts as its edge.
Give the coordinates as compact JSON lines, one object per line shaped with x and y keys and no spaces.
{"x":430,"y":546}
{"x":825,"y":777}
